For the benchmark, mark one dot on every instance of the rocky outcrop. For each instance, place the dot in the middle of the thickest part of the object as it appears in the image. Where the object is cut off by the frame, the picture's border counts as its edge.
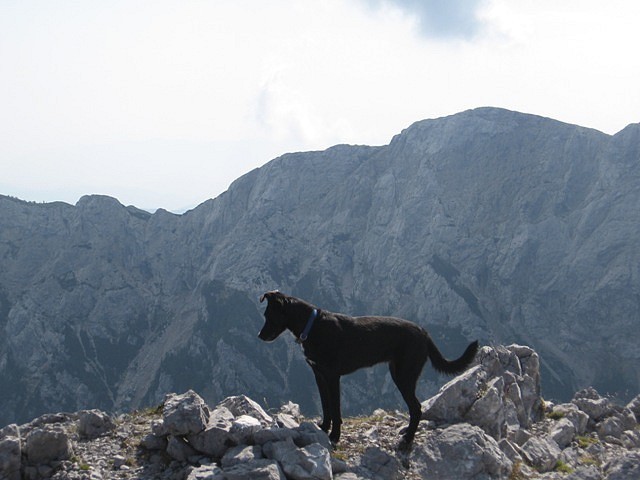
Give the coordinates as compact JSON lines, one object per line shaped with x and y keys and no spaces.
{"x":500,"y":394}
{"x":487,"y":224}
{"x":590,"y":437}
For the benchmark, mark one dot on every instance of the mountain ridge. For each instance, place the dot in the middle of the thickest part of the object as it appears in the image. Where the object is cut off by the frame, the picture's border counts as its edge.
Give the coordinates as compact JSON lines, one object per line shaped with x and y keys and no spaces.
{"x":488,"y":223}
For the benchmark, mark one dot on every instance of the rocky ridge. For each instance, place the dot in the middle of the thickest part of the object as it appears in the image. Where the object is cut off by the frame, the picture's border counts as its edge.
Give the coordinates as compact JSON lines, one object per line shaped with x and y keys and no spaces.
{"x":488,"y":423}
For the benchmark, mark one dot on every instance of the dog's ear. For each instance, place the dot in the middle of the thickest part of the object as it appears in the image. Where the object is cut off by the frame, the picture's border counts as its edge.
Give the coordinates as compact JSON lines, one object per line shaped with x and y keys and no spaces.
{"x":269,"y":295}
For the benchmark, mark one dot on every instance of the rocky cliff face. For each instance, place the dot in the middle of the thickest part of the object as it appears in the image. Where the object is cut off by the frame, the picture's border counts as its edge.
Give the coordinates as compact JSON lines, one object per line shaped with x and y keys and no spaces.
{"x":488,"y":224}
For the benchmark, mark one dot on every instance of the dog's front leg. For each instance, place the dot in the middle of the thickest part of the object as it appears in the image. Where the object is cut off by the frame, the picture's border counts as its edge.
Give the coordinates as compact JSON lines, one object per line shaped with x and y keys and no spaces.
{"x":333,"y":383}
{"x":323,"y":388}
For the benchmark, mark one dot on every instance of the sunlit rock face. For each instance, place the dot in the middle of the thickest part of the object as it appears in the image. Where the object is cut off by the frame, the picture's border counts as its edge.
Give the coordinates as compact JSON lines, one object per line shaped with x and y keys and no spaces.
{"x":488,"y":224}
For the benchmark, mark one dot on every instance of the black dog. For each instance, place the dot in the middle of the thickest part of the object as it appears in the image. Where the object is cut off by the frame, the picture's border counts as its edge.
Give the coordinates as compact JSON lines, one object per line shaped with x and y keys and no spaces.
{"x":335,"y":344}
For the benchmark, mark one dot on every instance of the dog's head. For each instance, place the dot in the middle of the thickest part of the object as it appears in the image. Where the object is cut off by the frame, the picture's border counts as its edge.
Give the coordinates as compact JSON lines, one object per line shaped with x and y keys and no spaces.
{"x":275,"y":319}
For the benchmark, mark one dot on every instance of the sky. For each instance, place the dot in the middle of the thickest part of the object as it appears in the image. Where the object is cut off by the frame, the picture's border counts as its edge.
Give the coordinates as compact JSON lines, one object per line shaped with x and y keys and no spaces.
{"x":163,"y":103}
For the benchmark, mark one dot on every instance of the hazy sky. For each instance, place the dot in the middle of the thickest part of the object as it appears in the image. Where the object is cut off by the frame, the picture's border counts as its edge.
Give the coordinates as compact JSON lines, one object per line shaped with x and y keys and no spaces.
{"x":164,"y":103}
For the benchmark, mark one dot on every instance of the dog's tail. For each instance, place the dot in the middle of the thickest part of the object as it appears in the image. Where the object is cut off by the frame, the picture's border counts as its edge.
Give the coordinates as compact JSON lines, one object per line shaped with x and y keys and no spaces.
{"x":451,"y":367}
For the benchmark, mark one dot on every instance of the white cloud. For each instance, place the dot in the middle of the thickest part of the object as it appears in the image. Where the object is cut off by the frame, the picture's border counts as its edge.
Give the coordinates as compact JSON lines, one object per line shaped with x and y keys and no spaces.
{"x":445,"y":19}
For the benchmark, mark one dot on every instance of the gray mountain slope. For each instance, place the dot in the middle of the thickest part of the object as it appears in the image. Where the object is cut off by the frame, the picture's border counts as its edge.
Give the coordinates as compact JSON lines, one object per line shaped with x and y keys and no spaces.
{"x":487,"y":224}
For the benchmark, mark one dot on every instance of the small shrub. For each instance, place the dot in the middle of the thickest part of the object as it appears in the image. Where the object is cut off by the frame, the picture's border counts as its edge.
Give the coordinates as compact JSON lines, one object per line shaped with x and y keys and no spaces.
{"x":516,"y":471}
{"x":340,"y":455}
{"x":555,"y":415}
{"x":562,"y":467}
{"x":585,"y":441}
{"x":589,"y":460}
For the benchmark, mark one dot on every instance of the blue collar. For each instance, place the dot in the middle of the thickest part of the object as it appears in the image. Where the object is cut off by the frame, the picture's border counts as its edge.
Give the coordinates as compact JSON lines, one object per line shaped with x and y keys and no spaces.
{"x":305,"y":333}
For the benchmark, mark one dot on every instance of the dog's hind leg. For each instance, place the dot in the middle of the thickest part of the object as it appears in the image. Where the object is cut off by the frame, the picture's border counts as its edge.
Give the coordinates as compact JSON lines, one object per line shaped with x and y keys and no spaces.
{"x":405,"y":375}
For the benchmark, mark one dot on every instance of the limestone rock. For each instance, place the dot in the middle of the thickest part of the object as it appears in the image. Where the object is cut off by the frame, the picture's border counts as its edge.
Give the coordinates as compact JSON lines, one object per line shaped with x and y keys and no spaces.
{"x":571,"y":412}
{"x":625,"y":467}
{"x":312,"y":462}
{"x":563,"y":432}
{"x":610,"y":427}
{"x":501,"y":394}
{"x":179,"y":449}
{"x":380,"y":464}
{"x":462,"y":452}
{"x":255,"y":470}
{"x":456,"y":397}
{"x":240,"y":454}
{"x":284,"y":420}
{"x":46,"y":444}
{"x":93,"y":423}
{"x":185,"y":414}
{"x":243,"y":429}
{"x":634,"y":406}
{"x":308,"y":433}
{"x":213,"y":441}
{"x":592,"y":404}
{"x":206,"y":472}
{"x":243,"y":405}
{"x":267,"y":435}
{"x":10,"y":457}
{"x":542,"y":453}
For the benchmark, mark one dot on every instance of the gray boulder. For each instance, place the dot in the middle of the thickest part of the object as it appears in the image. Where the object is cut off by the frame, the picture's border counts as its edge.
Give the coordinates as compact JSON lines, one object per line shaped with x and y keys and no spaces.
{"x":461,"y":452}
{"x":240,"y":454}
{"x":206,"y":472}
{"x":243,"y":429}
{"x":267,"y":435}
{"x":489,"y":411}
{"x":94,"y":423}
{"x":10,"y":454}
{"x":243,"y":405}
{"x":510,"y":449}
{"x":179,"y":449}
{"x":152,"y":442}
{"x":291,"y":409}
{"x":255,"y":470}
{"x":631,"y":439}
{"x":624,"y":467}
{"x":308,"y":433}
{"x":276,"y":450}
{"x":590,"y":402}
{"x":501,"y":394}
{"x":47,"y":444}
{"x":571,"y":412}
{"x":312,"y":462}
{"x":213,"y":441}
{"x":216,"y":438}
{"x":610,"y":427}
{"x":285,"y":420}
{"x":634,"y":406}
{"x":542,"y":453}
{"x":563,"y":432}
{"x":185,"y":414}
{"x":456,"y":397}
{"x":376,"y":463}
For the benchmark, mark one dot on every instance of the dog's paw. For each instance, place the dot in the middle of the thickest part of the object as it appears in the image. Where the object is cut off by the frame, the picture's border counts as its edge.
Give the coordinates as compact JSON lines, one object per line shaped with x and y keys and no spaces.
{"x":404,"y":445}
